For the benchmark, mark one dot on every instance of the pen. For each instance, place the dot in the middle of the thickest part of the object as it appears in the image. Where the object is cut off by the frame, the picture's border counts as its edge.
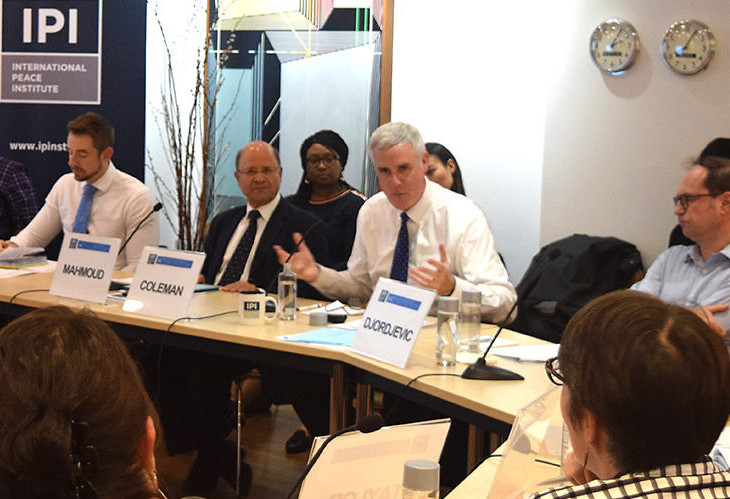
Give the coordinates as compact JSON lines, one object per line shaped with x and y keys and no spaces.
{"x":309,"y":307}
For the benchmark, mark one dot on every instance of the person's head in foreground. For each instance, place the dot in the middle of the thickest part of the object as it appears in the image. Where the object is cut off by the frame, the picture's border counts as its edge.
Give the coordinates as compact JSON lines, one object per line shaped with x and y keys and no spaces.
{"x":645,"y":385}
{"x":75,"y":420}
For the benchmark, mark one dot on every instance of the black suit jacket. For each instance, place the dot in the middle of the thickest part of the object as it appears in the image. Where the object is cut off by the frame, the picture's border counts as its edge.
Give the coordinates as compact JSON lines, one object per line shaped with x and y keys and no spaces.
{"x":285,"y":220}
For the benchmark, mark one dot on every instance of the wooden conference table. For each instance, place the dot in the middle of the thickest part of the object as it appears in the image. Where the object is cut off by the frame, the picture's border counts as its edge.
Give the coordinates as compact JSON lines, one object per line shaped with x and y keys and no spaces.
{"x":490,"y":405}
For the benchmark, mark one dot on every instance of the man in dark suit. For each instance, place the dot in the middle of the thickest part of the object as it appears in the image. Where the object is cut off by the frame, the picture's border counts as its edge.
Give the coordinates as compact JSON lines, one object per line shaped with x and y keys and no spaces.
{"x":195,"y":387}
{"x":258,"y":173}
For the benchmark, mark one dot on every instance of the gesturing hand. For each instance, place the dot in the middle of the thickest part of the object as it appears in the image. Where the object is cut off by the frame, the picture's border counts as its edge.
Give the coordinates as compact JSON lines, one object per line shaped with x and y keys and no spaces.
{"x":302,"y":261}
{"x":438,"y":278}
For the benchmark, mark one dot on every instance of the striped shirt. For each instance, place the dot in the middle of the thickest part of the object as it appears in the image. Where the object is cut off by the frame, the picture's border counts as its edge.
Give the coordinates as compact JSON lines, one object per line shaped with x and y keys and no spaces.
{"x":696,"y":480}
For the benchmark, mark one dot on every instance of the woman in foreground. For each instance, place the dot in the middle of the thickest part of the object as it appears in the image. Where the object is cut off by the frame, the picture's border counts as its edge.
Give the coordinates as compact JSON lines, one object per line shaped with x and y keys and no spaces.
{"x":75,"y":420}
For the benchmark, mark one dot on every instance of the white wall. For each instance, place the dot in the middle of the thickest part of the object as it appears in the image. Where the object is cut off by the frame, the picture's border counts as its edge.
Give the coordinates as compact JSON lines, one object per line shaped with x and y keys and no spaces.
{"x":616,"y":147}
{"x":549,"y":146}
{"x":467,"y":77}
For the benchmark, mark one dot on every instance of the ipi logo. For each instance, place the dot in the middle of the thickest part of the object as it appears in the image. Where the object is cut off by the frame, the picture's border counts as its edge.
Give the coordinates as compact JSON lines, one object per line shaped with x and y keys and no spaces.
{"x":31,"y":26}
{"x":50,"y":21}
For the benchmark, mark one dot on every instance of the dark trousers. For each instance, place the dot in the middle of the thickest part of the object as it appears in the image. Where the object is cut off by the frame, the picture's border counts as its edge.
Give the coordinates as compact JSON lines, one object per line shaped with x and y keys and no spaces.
{"x":192,"y":394}
{"x":307,"y":392}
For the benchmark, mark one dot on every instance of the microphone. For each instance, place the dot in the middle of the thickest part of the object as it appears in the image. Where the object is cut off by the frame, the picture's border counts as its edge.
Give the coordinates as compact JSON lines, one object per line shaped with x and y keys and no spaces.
{"x":367,"y":424}
{"x":306,"y":233}
{"x":480,"y":369}
{"x":156,"y":208}
{"x":296,"y":246}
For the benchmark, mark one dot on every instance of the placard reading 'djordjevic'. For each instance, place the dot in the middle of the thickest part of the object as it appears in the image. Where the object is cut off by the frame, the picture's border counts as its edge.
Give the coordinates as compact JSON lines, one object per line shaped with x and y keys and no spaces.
{"x":85,"y":267}
{"x":392,"y":321}
{"x":164,"y":282}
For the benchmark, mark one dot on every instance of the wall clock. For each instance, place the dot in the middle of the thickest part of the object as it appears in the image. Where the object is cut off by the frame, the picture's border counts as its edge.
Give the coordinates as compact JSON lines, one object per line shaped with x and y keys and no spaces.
{"x":614,"y":45}
{"x":688,"y":46}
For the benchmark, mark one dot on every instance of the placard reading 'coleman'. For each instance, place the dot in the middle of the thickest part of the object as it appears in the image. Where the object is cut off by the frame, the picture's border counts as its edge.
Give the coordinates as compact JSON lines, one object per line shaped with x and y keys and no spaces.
{"x":50,"y":51}
{"x":164,"y":282}
{"x":85,"y":266}
{"x":392,"y":321}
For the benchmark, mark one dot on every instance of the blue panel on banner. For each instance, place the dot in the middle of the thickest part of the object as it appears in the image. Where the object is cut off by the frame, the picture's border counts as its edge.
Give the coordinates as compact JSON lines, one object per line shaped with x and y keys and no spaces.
{"x":174,"y":262}
{"x":88,"y":245}
{"x":50,"y":52}
{"x":403,"y":301}
{"x":71,"y":26}
{"x":103,"y":71}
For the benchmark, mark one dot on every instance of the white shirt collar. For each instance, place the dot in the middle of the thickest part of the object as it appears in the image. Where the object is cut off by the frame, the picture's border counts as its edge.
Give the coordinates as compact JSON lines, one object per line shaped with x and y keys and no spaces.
{"x":418,"y":211}
{"x":266,"y":210}
{"x":105,"y":181}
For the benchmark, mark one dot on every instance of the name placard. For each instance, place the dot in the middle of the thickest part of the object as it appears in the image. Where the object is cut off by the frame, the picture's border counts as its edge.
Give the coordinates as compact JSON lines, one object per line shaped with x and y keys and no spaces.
{"x":85,"y":266}
{"x":363,"y":466}
{"x":392,"y":321}
{"x":164,"y":282}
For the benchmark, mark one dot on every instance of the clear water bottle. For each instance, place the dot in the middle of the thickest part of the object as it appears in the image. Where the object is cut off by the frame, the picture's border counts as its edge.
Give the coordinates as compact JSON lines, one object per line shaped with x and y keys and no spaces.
{"x":470,"y":321}
{"x":420,"y":479}
{"x":448,"y":330}
{"x":287,"y":294}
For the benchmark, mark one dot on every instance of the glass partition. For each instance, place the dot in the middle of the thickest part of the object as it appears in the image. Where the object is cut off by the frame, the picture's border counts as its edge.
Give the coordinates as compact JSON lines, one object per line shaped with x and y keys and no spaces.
{"x":286,"y":69}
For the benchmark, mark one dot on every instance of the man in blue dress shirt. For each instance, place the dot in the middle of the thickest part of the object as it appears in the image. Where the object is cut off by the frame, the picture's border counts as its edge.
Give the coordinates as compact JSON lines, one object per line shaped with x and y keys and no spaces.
{"x":698,"y":276}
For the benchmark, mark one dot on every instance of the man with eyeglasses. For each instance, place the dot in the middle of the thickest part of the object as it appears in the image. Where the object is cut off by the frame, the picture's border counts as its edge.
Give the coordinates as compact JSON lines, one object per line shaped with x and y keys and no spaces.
{"x":238,"y":245}
{"x":697,"y":276}
{"x":646,"y":393}
{"x":194,"y":392}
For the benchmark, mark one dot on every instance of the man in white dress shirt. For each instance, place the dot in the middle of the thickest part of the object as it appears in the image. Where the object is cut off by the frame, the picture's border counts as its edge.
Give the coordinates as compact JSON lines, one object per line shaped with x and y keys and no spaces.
{"x":118,"y":201}
{"x":450,"y":245}
{"x":449,"y":249}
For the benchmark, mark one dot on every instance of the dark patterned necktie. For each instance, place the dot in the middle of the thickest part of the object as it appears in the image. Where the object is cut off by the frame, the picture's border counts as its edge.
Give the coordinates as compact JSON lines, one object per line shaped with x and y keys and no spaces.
{"x":240,"y":256}
{"x":84,"y":210}
{"x":399,"y":269}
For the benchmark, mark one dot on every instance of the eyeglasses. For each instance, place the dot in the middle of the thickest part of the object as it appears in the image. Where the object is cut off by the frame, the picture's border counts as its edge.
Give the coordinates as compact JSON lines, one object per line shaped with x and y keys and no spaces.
{"x":552,"y":368}
{"x":250,"y":172}
{"x":686,"y":199}
{"x":328,"y":160}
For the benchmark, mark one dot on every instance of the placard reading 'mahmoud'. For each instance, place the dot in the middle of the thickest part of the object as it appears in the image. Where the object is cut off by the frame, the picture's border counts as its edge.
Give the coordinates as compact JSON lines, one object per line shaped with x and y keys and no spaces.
{"x":50,"y":51}
{"x":85,"y":266}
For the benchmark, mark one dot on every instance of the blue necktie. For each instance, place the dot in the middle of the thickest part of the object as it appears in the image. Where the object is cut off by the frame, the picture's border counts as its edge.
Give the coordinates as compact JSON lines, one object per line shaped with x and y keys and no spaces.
{"x":240,"y":256}
{"x":399,"y":269}
{"x":82,"y":213}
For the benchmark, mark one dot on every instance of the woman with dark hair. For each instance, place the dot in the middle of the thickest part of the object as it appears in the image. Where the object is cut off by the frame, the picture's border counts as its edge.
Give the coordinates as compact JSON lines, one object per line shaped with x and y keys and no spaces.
{"x":443,"y":168}
{"x":324,"y":192}
{"x":75,"y":420}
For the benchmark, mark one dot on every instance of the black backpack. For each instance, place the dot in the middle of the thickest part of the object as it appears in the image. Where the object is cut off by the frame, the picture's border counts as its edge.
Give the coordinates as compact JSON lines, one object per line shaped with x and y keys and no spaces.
{"x":585,"y":268}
